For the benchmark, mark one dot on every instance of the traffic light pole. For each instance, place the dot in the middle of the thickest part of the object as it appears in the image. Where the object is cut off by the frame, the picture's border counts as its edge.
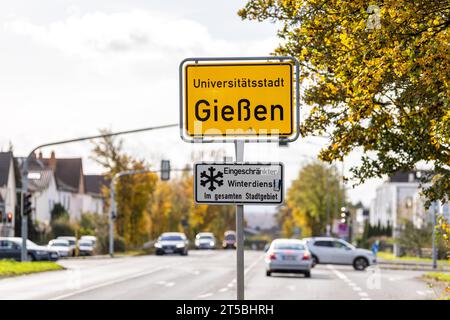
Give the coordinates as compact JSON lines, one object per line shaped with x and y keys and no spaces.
{"x":24,"y":228}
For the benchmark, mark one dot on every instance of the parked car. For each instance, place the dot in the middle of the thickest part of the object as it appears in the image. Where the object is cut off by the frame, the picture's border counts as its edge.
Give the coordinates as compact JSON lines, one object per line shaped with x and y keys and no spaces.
{"x":11,"y":248}
{"x":205,"y":240}
{"x":337,"y":251}
{"x":72,"y":244}
{"x":288,"y":256}
{"x":229,"y":240}
{"x":61,"y":246}
{"x":172,"y":242}
{"x":93,"y":239}
{"x":85,"y":248}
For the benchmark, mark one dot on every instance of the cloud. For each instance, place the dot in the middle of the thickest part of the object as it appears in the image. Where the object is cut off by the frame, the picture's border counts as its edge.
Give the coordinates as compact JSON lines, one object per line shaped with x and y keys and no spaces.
{"x":136,"y":34}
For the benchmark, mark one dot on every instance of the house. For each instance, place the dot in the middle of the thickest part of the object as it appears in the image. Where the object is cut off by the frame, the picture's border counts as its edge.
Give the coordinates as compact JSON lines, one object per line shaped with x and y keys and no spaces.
{"x":8,"y":196}
{"x":398,"y":199}
{"x":61,"y":180}
{"x":93,"y":201}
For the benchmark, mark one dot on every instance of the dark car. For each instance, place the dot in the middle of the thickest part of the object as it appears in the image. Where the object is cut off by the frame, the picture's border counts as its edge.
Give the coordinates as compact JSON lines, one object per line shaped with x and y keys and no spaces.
{"x":172,"y":242}
{"x":10,"y":248}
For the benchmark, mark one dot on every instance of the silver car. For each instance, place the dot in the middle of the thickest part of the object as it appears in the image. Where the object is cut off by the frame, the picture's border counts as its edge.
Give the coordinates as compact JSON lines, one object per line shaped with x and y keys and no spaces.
{"x":288,"y":256}
{"x":205,"y":240}
{"x":337,"y":251}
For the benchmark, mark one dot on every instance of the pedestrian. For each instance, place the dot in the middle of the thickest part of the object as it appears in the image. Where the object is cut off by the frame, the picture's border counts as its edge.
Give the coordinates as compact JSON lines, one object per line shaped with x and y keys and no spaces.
{"x":375,"y":247}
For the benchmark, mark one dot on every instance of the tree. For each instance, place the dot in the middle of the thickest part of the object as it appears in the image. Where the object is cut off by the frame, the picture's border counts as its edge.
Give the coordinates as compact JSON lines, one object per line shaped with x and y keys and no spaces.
{"x":308,"y":199}
{"x":133,"y":192}
{"x":59,"y":212}
{"x":414,"y":239}
{"x":375,"y":78}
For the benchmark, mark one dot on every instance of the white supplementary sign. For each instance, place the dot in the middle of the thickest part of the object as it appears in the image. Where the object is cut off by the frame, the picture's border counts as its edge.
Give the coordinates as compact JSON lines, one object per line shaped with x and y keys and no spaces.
{"x":239,"y":183}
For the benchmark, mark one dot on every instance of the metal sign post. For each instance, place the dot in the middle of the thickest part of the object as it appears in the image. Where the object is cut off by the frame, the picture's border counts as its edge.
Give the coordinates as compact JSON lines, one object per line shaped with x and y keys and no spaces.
{"x":239,"y":149}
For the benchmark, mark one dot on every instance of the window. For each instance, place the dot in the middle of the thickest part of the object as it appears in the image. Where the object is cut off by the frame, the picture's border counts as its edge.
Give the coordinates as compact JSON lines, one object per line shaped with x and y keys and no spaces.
{"x":323,"y":243}
{"x":339,"y":245}
{"x":5,"y":244}
{"x":289,"y":246}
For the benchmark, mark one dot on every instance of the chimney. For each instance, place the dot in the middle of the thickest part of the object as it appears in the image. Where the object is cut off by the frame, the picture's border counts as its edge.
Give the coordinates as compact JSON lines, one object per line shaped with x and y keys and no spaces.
{"x":40,"y":155}
{"x":52,"y":161}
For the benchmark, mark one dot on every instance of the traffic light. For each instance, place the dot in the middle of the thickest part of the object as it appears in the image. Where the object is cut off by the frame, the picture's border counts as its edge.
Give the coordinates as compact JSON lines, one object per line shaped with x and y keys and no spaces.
{"x":9,"y":217}
{"x":27,"y":204}
{"x":165,"y":170}
{"x":345,"y":213}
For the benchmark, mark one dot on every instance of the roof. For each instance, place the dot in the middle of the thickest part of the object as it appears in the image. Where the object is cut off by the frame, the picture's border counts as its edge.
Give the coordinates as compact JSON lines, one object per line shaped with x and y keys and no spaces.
{"x":5,"y":163}
{"x":68,"y":173}
{"x":412,"y":176}
{"x":41,"y":183}
{"x":93,"y":184}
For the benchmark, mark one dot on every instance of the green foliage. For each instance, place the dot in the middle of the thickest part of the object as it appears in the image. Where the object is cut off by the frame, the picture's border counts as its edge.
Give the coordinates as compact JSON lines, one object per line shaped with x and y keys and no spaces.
{"x":15,"y":268}
{"x":375,"y":80}
{"x":413,"y":239}
{"x":309,"y":198}
{"x":88,"y":224}
{"x":62,"y":227}
{"x":59,"y":212}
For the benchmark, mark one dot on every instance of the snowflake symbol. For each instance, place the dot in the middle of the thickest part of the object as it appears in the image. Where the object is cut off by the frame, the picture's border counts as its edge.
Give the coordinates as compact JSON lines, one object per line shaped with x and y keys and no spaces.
{"x":211,"y":178}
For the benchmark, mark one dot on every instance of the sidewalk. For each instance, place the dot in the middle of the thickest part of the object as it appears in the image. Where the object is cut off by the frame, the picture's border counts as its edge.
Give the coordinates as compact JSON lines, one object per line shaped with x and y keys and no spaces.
{"x":412,"y":265}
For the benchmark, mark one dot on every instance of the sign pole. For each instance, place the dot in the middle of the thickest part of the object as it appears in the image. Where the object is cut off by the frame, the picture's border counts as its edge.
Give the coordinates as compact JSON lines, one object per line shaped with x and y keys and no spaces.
{"x":239,"y":149}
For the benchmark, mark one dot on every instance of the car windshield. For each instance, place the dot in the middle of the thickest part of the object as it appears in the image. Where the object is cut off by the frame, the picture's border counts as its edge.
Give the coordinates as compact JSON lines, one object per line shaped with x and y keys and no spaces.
{"x":171,"y":238}
{"x":207,"y":237}
{"x":59,"y":244}
{"x":85,"y":243}
{"x":230,"y":237}
{"x":289,"y":246}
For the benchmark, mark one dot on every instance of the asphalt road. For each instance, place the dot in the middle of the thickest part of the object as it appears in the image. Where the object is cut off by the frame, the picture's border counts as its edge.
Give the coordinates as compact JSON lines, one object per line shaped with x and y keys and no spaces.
{"x":209,"y":275}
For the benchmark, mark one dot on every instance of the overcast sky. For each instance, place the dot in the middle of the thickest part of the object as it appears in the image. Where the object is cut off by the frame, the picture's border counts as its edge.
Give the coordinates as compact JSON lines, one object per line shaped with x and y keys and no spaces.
{"x":69,"y":68}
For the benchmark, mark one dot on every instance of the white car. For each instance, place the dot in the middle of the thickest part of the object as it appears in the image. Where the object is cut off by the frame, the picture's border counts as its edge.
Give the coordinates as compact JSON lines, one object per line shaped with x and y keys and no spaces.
{"x":205,"y":240}
{"x":289,"y":256}
{"x":60,"y":246}
{"x":72,"y":243}
{"x":93,"y":239}
{"x":337,"y":251}
{"x":85,"y":248}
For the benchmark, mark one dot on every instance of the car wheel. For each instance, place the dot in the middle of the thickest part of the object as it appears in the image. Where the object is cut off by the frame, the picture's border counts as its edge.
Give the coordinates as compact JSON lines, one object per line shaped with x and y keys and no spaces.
{"x":314,"y":261}
{"x":30,"y":257}
{"x":268,"y":273}
{"x":360,"y":264}
{"x":308,"y":274}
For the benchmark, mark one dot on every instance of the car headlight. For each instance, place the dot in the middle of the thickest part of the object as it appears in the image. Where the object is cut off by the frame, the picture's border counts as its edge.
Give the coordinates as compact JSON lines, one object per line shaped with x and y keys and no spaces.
{"x":197,"y":242}
{"x":180,"y":245}
{"x":211,"y":243}
{"x":157,"y":245}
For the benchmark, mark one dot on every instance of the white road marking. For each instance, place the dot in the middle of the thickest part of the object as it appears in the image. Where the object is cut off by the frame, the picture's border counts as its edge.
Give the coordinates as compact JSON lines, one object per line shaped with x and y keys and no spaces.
{"x":206,"y":295}
{"x":420,"y":293}
{"x":363,"y":294}
{"x":253,"y":264}
{"x":230,"y":285}
{"x":107,"y":283}
{"x":223,"y":289}
{"x":170,"y":284}
{"x":350,"y":283}
{"x":291,"y":287}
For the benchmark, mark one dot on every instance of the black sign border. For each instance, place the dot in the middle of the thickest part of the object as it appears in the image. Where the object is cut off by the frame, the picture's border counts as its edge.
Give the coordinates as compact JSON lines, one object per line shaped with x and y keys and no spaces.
{"x":240,"y":164}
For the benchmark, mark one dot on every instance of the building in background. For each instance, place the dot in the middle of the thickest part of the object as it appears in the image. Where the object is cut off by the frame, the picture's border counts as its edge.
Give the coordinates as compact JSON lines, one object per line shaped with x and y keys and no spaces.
{"x":61,"y":180}
{"x":399,"y":199}
{"x":8,"y":196}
